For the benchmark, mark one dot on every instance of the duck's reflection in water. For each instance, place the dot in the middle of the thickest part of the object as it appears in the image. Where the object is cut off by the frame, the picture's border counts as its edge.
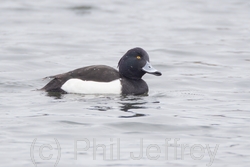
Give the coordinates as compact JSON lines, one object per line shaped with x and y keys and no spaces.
{"x":130,"y":104}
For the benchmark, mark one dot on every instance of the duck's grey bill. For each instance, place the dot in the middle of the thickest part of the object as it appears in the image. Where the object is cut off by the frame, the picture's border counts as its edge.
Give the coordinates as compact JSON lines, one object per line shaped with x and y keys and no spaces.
{"x":148,"y":68}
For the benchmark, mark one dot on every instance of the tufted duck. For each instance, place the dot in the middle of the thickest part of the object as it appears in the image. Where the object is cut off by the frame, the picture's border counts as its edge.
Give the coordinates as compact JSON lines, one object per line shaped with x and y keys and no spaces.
{"x":102,"y":79}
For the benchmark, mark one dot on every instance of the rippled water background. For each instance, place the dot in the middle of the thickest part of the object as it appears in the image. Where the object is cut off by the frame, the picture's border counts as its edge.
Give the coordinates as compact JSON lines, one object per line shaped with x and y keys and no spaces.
{"x":202,"y":99}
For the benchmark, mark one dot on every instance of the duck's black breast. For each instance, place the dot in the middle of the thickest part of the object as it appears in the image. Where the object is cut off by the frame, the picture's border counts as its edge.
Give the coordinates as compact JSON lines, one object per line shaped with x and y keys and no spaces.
{"x":98,"y":73}
{"x":134,"y":87}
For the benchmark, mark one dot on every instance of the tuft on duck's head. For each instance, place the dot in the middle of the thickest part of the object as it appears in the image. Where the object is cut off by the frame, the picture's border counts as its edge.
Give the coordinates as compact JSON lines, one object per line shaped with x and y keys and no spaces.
{"x":135,"y":63}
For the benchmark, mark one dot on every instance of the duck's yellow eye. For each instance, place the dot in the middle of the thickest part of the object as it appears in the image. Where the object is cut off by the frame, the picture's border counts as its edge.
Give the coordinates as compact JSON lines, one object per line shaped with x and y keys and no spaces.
{"x":138,"y":57}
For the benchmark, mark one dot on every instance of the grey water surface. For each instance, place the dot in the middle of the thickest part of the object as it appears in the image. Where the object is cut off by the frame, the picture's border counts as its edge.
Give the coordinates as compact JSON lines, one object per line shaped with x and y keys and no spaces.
{"x":196,"y":114}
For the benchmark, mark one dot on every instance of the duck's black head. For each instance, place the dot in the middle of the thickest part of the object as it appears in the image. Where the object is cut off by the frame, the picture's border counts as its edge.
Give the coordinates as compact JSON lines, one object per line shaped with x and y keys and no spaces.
{"x":135,"y":63}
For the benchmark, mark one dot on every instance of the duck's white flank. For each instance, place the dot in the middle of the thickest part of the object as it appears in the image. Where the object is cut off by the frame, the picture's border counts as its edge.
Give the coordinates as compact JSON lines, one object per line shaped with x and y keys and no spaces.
{"x":92,"y":87}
